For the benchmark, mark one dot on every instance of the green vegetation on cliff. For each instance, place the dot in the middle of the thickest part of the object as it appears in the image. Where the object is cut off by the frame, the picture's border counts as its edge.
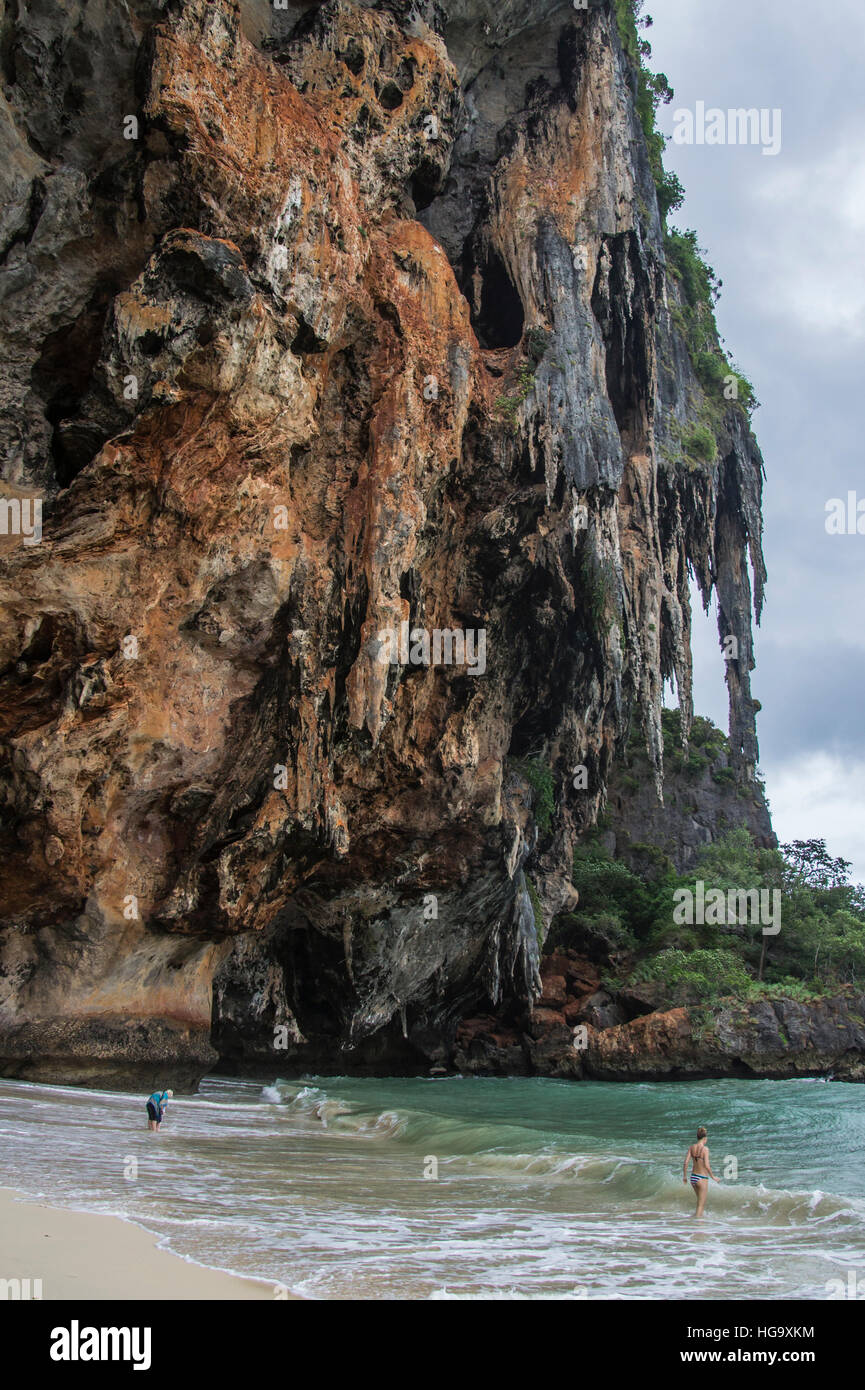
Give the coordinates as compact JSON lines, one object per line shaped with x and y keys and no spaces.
{"x":723,"y":383}
{"x":695,"y":318}
{"x":539,"y":777}
{"x":820,"y":945}
{"x":652,"y":88}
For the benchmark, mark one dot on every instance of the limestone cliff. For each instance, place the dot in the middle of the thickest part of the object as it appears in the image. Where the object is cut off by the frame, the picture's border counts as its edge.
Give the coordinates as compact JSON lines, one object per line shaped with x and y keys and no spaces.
{"x":701,"y":798}
{"x":322,"y":320}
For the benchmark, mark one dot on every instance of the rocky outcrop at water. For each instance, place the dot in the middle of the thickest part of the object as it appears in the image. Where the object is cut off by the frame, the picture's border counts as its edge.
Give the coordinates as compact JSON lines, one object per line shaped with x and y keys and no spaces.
{"x":580,"y":1029}
{"x":324,"y":323}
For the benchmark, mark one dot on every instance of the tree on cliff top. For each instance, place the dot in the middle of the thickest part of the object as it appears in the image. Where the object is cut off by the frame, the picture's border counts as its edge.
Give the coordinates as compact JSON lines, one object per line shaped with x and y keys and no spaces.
{"x":821,"y":945}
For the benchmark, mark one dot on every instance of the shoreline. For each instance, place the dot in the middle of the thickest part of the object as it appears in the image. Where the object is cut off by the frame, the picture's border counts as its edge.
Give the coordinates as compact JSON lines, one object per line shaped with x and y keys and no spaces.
{"x":90,"y":1255}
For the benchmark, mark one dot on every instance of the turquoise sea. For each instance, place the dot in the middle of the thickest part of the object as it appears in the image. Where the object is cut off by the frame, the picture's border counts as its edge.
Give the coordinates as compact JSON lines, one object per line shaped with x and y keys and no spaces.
{"x":339,"y":1187}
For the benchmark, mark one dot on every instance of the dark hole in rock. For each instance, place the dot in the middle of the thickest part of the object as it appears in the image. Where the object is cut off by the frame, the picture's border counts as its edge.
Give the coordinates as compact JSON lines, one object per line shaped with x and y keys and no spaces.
{"x":353,"y":57}
{"x":621,"y":311}
{"x":206,"y":268}
{"x":497,"y":312}
{"x":73,"y":99}
{"x":425,"y":184}
{"x":409,"y":589}
{"x":41,"y":644}
{"x":559,"y":494}
{"x":530,"y":733}
{"x":74,"y":444}
{"x":365,"y":125}
{"x":405,"y":74}
{"x":306,"y":339}
{"x":390,"y":313}
{"x":390,"y":96}
{"x":61,"y":377}
{"x":150,"y":343}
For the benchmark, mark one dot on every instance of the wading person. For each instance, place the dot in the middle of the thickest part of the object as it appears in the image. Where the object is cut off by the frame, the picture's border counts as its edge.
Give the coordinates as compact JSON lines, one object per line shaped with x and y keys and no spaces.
{"x":701,"y":1170}
{"x":156,"y":1107}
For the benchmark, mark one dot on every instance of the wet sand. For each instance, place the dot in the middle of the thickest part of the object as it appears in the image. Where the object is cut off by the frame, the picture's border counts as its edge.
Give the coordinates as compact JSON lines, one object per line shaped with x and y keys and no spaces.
{"x":79,"y":1255}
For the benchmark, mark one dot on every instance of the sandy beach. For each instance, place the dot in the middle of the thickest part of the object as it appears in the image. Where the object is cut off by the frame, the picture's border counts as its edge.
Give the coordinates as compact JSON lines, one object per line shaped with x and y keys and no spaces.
{"x":83,"y":1256}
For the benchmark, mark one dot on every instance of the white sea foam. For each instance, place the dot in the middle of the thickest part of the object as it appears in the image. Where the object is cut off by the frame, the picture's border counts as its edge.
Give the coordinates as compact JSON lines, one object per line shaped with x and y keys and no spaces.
{"x":543,"y":1189}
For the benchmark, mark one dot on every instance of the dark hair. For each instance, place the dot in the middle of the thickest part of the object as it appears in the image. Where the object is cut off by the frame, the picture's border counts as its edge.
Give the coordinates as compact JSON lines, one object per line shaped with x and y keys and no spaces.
{"x":701,"y":1132}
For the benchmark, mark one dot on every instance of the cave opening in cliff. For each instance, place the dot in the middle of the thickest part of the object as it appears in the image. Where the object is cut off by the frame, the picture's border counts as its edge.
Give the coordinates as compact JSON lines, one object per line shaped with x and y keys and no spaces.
{"x":497,"y":313}
{"x":425,"y":184}
{"x":61,"y":376}
{"x":529,"y":734}
{"x":620,"y":308}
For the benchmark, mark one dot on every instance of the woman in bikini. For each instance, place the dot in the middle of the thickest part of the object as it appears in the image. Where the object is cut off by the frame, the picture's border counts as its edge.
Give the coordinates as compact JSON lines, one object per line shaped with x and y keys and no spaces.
{"x":701,"y":1170}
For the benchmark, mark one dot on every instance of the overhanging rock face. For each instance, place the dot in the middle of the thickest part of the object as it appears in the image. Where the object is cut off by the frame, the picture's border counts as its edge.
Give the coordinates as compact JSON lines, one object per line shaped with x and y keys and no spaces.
{"x":329,"y":323}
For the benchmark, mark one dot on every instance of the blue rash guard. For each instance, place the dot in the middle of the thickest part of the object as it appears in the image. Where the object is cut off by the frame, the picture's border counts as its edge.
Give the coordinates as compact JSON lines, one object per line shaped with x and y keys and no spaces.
{"x":156,"y":1101}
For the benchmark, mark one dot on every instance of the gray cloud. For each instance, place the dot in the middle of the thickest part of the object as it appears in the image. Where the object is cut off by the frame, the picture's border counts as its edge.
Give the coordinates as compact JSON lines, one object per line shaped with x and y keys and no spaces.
{"x":785,"y":234}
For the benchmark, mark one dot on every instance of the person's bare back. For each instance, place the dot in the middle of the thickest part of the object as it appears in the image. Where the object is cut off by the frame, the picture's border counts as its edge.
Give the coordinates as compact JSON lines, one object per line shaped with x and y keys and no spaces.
{"x":699,"y":1156}
{"x":701,"y":1169}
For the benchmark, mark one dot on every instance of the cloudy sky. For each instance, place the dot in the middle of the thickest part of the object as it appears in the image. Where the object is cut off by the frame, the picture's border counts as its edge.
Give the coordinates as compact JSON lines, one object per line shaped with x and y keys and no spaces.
{"x":786,"y":234}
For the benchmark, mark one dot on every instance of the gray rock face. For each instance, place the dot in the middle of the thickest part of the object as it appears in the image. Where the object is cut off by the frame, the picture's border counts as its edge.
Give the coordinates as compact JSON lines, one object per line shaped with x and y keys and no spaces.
{"x":702,"y":800}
